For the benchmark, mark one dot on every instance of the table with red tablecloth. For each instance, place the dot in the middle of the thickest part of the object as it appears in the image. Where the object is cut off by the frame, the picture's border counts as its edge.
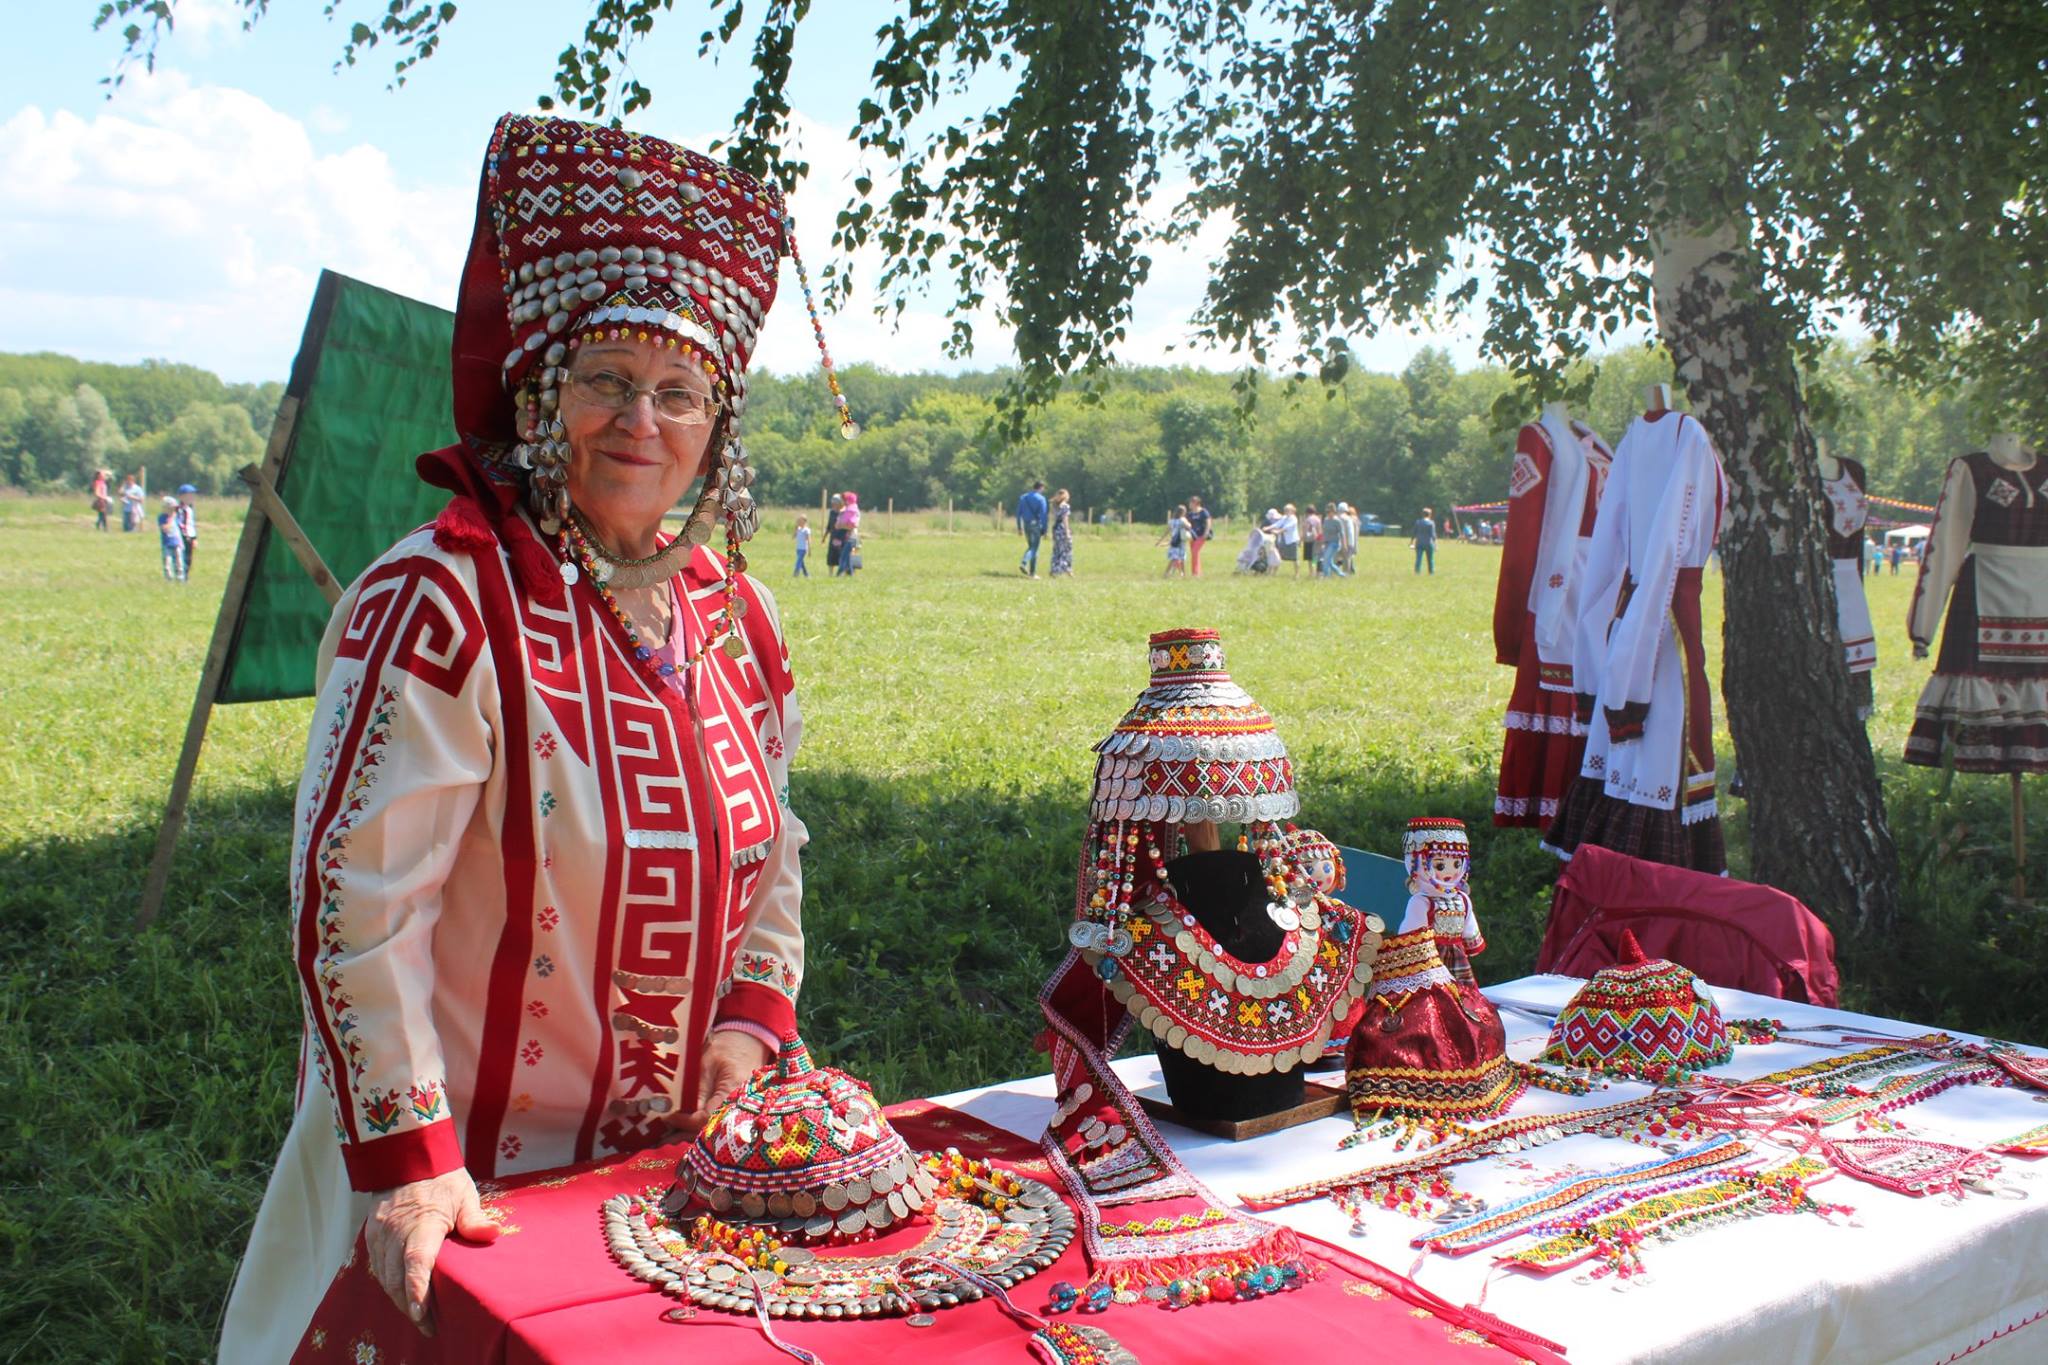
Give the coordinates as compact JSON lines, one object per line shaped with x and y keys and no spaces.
{"x":548,"y":1291}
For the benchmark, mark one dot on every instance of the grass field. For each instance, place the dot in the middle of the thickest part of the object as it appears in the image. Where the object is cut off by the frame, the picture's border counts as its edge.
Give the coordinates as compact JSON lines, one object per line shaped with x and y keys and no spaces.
{"x":949,"y":708}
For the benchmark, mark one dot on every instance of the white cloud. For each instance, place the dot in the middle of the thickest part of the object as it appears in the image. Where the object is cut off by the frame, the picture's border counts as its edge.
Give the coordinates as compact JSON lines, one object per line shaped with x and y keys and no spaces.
{"x":191,"y":221}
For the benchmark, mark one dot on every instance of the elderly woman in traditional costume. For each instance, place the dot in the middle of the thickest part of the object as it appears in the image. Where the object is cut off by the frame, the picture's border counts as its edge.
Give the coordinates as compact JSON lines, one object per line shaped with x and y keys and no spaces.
{"x":544,"y":877}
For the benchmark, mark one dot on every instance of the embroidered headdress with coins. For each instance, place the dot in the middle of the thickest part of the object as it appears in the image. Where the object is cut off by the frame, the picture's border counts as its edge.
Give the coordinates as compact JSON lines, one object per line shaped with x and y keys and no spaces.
{"x":586,"y":232}
{"x":801,"y":1200}
{"x":1193,"y":748}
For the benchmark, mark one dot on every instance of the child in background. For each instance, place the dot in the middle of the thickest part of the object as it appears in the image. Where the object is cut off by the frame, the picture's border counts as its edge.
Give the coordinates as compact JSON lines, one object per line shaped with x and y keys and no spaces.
{"x":173,"y":543}
{"x":188,"y":524}
{"x":803,"y":546}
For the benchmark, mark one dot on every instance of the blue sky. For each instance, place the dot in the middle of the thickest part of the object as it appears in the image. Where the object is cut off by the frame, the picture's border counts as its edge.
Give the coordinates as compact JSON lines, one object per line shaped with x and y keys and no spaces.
{"x":189,"y":216}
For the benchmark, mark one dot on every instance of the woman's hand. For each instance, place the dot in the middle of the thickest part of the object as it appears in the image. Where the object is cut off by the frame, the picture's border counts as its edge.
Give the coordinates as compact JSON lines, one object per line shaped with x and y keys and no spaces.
{"x":406,"y":1228}
{"x":729,"y":1057}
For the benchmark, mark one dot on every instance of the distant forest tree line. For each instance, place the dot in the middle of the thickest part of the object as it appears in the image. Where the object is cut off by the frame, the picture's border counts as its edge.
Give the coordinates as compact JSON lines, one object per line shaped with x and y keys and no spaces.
{"x":1388,"y":444}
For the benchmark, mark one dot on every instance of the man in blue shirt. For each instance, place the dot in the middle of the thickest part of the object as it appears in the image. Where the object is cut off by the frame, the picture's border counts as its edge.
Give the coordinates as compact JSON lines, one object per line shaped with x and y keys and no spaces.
{"x":1031,"y":516}
{"x":1423,"y":537}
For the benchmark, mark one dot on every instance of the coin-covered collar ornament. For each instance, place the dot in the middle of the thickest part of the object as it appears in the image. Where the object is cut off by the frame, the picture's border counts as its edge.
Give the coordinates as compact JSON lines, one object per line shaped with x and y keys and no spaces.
{"x":1194,"y":748}
{"x":1642,"y":1018}
{"x":800,"y":1200}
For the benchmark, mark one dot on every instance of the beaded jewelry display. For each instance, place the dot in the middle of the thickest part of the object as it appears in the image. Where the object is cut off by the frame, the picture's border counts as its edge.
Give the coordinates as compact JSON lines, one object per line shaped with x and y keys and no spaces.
{"x":1642,"y":1018}
{"x":1900,"y":1092}
{"x":1427,"y":1195}
{"x":1504,"y":1222}
{"x":1632,"y":1119}
{"x":1615,"y":1240}
{"x":1195,"y":747}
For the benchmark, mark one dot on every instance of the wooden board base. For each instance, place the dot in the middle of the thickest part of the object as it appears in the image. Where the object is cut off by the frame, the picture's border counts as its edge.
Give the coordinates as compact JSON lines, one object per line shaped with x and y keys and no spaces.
{"x":1318,"y":1102}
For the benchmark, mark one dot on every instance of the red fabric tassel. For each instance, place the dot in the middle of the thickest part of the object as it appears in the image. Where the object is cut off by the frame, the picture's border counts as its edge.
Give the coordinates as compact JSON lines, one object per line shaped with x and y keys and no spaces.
{"x":482,"y":512}
{"x":462,"y":526}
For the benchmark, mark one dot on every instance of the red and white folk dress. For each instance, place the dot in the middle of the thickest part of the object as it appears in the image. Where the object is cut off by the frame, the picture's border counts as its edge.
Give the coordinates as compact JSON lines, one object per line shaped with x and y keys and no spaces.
{"x":1988,"y":698}
{"x":528,"y":879}
{"x":1639,"y":674}
{"x":1554,"y":492}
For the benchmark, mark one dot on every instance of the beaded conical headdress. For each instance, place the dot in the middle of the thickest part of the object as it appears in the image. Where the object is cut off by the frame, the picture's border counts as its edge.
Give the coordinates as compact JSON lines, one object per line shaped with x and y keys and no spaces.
{"x":583,"y":230}
{"x":1194,"y":746}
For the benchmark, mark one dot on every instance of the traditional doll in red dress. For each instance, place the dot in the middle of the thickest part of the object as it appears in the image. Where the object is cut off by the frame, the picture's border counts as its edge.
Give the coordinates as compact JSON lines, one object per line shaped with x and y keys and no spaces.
{"x":1429,"y":1049}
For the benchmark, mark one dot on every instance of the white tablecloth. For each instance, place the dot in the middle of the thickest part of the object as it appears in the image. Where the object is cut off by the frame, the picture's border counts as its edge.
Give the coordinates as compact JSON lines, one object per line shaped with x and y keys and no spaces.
{"x":1919,"y":1281}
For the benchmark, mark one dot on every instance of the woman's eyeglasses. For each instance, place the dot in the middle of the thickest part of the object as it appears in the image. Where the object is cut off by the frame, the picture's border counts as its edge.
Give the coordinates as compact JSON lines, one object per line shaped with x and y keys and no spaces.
{"x":684,"y":407}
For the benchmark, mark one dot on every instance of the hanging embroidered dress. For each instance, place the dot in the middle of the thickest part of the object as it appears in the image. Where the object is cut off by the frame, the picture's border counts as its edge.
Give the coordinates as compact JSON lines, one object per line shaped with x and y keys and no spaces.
{"x":528,"y":875}
{"x":1639,"y":677}
{"x":1848,"y":513}
{"x":1554,"y":489}
{"x":1987,"y":561}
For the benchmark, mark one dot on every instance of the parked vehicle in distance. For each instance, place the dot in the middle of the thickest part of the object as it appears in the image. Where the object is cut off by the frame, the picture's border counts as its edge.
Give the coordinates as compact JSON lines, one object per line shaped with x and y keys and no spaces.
{"x":1370,"y":525}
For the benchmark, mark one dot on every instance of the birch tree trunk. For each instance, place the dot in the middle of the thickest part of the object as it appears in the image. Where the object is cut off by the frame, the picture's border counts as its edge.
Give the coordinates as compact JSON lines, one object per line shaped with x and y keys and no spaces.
{"x":1817,"y":824}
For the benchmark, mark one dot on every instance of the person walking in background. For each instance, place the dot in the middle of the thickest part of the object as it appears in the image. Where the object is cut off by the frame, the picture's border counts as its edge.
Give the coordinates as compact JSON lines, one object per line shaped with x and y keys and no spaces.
{"x":1333,"y":540}
{"x":1062,"y":535}
{"x":835,"y":535}
{"x":1423,"y":538}
{"x":101,"y":502}
{"x":131,"y":504}
{"x":1031,"y":515}
{"x":803,"y":547}
{"x":1347,"y":556}
{"x":849,"y":522}
{"x":173,"y":543}
{"x":188,"y":523}
{"x":1198,"y":533}
{"x":1290,"y":537}
{"x":1312,"y":531}
{"x":1898,"y":553}
{"x":1175,"y":540}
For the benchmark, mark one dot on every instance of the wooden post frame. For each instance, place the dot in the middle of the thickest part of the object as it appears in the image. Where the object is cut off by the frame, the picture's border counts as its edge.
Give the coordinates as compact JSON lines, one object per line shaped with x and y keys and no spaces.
{"x":247,"y":551}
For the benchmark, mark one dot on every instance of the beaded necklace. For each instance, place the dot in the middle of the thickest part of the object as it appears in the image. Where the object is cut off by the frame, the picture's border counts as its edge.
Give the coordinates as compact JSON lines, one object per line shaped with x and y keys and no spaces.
{"x":1899,"y":1092}
{"x":996,"y":1225}
{"x":576,"y":550}
{"x":1616,"y":1238}
{"x":1513,"y":1219}
{"x":1625,"y":1119}
{"x":1825,"y":1077}
{"x":2033,"y":1142}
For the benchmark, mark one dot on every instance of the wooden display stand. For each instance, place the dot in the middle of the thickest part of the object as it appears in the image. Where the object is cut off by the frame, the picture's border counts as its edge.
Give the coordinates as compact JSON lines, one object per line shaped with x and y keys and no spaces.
{"x":1320,"y":1102}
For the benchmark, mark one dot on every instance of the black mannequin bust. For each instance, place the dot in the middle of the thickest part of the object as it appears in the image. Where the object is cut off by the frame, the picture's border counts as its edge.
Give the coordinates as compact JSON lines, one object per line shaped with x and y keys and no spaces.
{"x":1225,"y":891}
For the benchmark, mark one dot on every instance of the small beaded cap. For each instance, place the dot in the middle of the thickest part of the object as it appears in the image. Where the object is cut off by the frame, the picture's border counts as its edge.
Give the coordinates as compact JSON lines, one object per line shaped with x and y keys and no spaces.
{"x":1643,"y":1018}
{"x":1435,"y":834}
{"x":1194,"y":746}
{"x":805,"y":1152}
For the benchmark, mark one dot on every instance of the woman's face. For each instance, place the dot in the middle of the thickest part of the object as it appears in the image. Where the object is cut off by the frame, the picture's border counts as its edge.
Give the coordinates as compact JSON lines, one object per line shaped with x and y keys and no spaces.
{"x":628,"y":465}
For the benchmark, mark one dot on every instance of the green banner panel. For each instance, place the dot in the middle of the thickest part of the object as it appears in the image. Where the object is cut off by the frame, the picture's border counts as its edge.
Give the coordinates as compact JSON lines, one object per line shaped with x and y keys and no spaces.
{"x":372,"y":379}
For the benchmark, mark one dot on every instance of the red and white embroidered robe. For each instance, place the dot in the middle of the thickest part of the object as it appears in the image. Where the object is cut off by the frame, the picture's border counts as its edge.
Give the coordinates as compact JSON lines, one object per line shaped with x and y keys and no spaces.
{"x":1554,"y":491}
{"x":527,"y":879}
{"x":1647,"y":785}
